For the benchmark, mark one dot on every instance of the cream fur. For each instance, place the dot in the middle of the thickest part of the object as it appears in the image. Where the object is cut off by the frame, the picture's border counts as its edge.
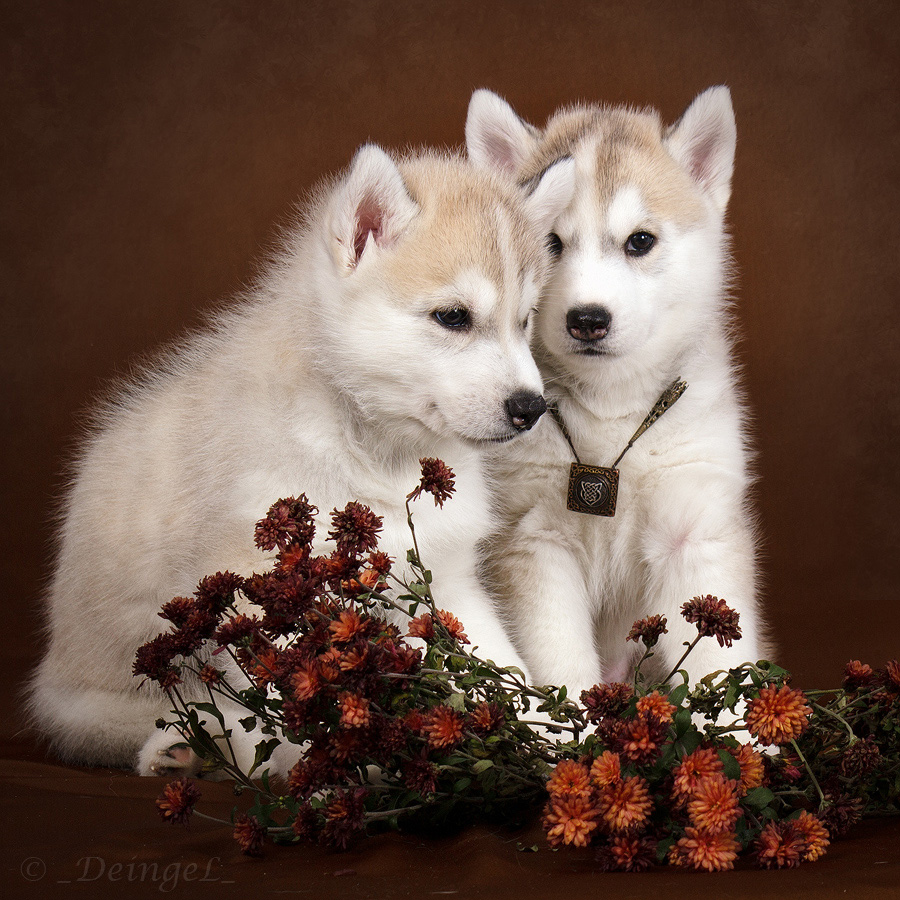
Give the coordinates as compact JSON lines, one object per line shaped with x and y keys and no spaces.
{"x":331,"y":378}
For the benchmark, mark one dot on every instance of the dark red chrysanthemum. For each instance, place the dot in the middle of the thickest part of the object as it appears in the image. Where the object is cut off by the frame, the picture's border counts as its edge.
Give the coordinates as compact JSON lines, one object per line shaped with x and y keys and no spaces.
{"x":178,"y":610}
{"x":154,"y":658}
{"x":779,"y":846}
{"x":344,"y":818}
{"x":627,"y":854}
{"x":841,"y":813}
{"x":354,"y":529}
{"x":857,"y":675}
{"x":437,"y":480}
{"x":420,"y":775}
{"x":891,"y":676}
{"x":249,"y":834}
{"x":288,"y":521}
{"x":308,"y":822}
{"x":209,"y":674}
{"x":235,"y":629}
{"x":648,"y":630}
{"x":177,"y":801}
{"x":216,"y":592}
{"x":606,"y":700}
{"x":713,"y":618}
{"x":860,"y":759}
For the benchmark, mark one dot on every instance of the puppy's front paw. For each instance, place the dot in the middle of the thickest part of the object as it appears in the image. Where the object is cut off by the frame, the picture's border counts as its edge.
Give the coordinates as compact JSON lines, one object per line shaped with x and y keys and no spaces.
{"x":164,"y":757}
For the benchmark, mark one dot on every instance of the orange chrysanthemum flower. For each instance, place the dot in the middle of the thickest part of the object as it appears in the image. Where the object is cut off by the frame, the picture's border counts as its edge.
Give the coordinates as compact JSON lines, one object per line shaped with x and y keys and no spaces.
{"x":444,"y":727}
{"x":640,"y":740}
{"x":330,"y":664}
{"x":777,"y":715}
{"x":625,"y":804}
{"x":569,"y":779}
{"x":814,"y":834}
{"x":702,"y":850}
{"x":714,"y":807}
{"x":656,"y":704}
{"x":353,"y":659}
{"x":422,"y":627}
{"x":347,"y":625}
{"x":753,"y":771}
{"x":606,"y":769}
{"x":570,"y":820}
{"x":305,"y":681}
{"x":249,"y":834}
{"x":892,"y":675}
{"x":700,"y":764}
{"x":453,"y":625}
{"x":264,"y":668}
{"x":177,"y":801}
{"x":779,"y":846}
{"x":354,"y":710}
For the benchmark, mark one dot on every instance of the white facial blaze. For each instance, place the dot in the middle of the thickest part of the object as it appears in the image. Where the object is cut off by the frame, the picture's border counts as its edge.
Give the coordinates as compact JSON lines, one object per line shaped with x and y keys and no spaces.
{"x":626,"y":214}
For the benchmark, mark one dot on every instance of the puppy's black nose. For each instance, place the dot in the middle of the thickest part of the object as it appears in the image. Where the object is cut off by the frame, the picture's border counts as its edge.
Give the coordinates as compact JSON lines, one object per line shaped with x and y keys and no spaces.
{"x":588,"y":323}
{"x":524,"y":409}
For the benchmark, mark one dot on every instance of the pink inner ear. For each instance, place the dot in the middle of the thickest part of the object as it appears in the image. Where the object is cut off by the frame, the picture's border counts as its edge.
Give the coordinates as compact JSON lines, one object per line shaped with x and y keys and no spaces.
{"x":703,"y":162}
{"x":369,"y":220}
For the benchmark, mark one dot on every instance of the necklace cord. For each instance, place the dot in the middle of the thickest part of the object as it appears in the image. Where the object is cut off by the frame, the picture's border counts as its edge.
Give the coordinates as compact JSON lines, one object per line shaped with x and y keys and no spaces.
{"x":666,"y":401}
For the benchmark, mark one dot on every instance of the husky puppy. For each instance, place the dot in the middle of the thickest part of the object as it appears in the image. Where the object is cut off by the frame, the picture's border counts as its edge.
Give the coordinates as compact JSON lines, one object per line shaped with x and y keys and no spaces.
{"x":637,"y":299}
{"x":393,"y":326}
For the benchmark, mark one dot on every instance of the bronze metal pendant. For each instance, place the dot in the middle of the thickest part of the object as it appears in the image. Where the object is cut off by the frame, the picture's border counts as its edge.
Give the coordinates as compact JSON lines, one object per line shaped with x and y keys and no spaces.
{"x":593,"y":490}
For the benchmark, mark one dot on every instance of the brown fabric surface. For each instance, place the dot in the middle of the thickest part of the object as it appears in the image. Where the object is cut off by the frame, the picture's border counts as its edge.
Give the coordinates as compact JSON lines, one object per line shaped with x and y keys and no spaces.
{"x":147,"y":155}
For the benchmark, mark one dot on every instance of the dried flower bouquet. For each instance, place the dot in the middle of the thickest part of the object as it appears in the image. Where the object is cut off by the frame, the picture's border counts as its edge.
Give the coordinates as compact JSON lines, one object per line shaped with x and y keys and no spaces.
{"x":386,"y":733}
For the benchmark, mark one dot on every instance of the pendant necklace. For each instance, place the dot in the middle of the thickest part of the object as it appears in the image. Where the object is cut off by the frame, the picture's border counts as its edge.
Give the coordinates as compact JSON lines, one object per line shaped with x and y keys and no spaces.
{"x":594,"y":489}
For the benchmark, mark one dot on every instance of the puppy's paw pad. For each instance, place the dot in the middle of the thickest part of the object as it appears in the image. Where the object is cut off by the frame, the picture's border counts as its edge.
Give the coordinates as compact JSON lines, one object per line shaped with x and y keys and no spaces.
{"x":168,"y":760}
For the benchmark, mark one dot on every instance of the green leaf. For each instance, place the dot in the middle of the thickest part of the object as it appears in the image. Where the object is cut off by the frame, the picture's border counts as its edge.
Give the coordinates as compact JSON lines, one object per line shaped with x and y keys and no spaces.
{"x":457,"y":701}
{"x":758,"y":798}
{"x":263,"y":752}
{"x":731,"y":765}
{"x":211,"y":710}
{"x":461,"y":784}
{"x":249,"y":723}
{"x":482,"y":765}
{"x":677,"y":695}
{"x":682,"y":722}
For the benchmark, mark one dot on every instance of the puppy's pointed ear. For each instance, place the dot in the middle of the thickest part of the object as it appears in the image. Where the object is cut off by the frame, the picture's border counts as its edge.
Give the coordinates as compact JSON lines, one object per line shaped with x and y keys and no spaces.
{"x":496,"y":137}
{"x":549,"y":193}
{"x":703,"y":141}
{"x":370,"y":210}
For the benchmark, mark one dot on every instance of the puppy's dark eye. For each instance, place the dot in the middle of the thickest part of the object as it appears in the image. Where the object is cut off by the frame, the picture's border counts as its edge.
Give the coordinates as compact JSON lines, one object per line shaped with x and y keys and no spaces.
{"x":554,"y":245}
{"x":639,"y":243}
{"x":457,"y":317}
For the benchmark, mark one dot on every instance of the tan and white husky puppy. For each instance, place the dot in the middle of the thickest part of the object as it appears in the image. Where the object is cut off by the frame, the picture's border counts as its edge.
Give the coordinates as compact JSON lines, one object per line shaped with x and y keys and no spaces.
{"x":393,"y":326}
{"x":637,"y":299}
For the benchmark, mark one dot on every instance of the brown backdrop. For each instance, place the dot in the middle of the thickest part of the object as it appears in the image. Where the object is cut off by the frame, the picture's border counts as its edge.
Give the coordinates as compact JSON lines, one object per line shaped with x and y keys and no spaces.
{"x":150,"y":150}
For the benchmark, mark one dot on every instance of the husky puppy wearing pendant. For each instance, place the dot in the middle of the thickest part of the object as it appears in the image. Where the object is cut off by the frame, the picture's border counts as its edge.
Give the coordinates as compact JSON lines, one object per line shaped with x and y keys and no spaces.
{"x":637,"y":301}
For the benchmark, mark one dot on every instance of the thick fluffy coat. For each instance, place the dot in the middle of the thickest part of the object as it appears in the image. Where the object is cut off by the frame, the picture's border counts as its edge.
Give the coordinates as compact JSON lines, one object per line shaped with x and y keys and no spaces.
{"x":332,"y":378}
{"x":637,"y":298}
